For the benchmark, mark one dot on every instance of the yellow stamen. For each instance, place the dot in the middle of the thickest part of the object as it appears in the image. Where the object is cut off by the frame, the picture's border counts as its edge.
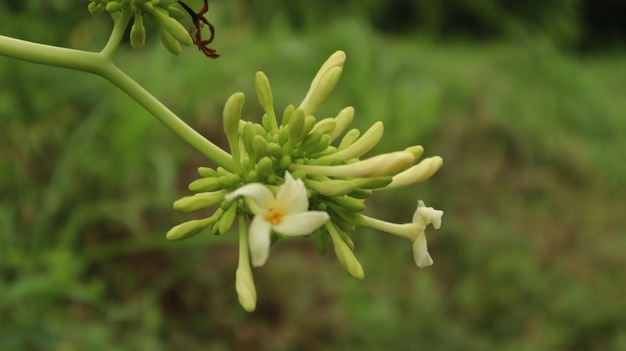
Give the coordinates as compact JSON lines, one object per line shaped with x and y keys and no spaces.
{"x":274,"y":216}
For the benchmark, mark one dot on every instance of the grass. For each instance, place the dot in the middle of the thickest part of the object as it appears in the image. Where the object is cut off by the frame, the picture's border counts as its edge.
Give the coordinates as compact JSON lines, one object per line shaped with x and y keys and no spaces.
{"x":530,"y":255}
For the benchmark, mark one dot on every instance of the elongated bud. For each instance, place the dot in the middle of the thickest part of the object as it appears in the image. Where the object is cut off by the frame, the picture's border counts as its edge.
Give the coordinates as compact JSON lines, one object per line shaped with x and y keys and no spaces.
{"x":248,"y":132}
{"x":418,"y":173}
{"x":266,"y":100}
{"x":95,"y":8}
{"x":207,"y":172}
{"x":335,"y":187}
{"x":365,"y":143}
{"x":380,"y":165}
{"x":337,"y":59}
{"x":309,"y":123}
{"x":416,"y":150}
{"x":349,"y":139}
{"x":114,"y":6}
{"x":260,"y":146}
{"x":199,"y":201}
{"x":170,"y":43}
{"x":296,"y":123}
{"x":137,"y":32}
{"x":246,"y":291}
{"x":324,"y":82}
{"x":244,"y":283}
{"x":373,"y":182}
{"x":226,"y":222}
{"x":287,"y":114}
{"x":175,"y":13}
{"x":190,"y":228}
{"x":325,"y":126}
{"x":319,"y":92}
{"x":344,"y":254}
{"x":264,"y":167}
{"x":349,"y":203}
{"x":342,"y":121}
{"x":232,"y":116}
{"x":172,"y":26}
{"x":204,"y":184}
{"x":310,"y":141}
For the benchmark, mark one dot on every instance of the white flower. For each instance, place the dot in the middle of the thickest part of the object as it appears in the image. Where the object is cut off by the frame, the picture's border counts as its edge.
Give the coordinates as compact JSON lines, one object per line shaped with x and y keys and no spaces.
{"x":424,"y":216}
{"x":286,"y":213}
{"x":414,"y":231}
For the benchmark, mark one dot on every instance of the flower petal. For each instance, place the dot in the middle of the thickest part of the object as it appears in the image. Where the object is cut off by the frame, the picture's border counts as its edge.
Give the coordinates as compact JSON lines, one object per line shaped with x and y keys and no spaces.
{"x":259,"y":193}
{"x":420,"y":252}
{"x":427,"y":215}
{"x":259,"y":240}
{"x":292,"y":195}
{"x":301,"y":223}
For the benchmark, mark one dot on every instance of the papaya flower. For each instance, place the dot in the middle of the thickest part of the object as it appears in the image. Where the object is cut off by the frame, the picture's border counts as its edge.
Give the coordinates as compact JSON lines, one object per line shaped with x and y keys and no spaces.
{"x":286,"y":213}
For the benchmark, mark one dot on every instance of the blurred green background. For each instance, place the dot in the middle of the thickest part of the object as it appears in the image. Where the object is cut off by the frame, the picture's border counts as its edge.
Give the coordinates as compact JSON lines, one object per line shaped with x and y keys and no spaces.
{"x":524,"y":100}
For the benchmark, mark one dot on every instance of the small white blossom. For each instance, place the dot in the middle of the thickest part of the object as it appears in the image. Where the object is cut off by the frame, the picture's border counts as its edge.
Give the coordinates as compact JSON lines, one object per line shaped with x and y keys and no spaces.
{"x":286,"y":213}
{"x":424,"y":216}
{"x":414,"y":231}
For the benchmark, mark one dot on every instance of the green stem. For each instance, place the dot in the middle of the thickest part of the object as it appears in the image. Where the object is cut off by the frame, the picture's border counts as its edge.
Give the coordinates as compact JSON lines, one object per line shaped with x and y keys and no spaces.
{"x":101,"y":64}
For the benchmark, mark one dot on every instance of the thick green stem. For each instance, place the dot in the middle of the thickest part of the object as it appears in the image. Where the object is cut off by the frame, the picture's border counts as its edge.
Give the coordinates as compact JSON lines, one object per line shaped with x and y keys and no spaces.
{"x":101,"y":64}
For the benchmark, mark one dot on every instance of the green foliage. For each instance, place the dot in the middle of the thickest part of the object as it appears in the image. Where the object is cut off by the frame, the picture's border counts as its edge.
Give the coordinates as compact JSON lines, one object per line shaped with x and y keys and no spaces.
{"x":529,"y":257}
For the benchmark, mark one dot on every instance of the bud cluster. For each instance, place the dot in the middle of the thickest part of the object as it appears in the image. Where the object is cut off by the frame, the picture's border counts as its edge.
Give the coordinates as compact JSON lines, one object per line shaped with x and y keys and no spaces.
{"x":324,"y":157}
{"x":165,"y":13}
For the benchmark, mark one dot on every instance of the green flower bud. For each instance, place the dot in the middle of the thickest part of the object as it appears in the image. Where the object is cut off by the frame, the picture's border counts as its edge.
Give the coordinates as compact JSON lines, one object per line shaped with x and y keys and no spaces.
{"x":175,"y":12}
{"x":264,"y":167}
{"x":274,"y":150}
{"x":232,"y":116}
{"x":416,"y":150}
{"x":324,"y":82}
{"x":287,"y":114}
{"x":321,"y":242}
{"x":226,"y":222}
{"x":266,"y":100}
{"x":342,"y":121}
{"x":344,"y":254}
{"x":114,"y":6}
{"x":353,"y":218}
{"x":385,"y":164}
{"x":137,"y":32}
{"x":349,"y":203}
{"x":325,"y":126}
{"x":190,"y":228}
{"x":248,"y":132}
{"x":372,"y":183}
{"x":309,"y":123}
{"x":333,"y":187}
{"x":199,"y":201}
{"x":361,"y":193}
{"x":204,"y":184}
{"x":349,"y":139}
{"x":172,"y":26}
{"x":148,"y":6}
{"x":284,"y":162}
{"x":319,"y":92}
{"x":296,"y":123}
{"x":260,"y":146}
{"x":170,"y":43}
{"x":366,"y":142}
{"x":244,"y":285}
{"x":95,"y":8}
{"x":312,"y":140}
{"x":207,"y":172}
{"x":418,"y":173}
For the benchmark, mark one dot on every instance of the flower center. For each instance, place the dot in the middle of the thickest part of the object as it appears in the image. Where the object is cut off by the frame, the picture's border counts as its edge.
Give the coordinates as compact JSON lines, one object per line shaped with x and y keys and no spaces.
{"x":274,"y":216}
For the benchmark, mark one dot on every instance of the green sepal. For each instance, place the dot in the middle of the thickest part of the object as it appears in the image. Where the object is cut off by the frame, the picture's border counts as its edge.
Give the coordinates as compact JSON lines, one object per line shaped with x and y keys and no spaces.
{"x":322,"y":240}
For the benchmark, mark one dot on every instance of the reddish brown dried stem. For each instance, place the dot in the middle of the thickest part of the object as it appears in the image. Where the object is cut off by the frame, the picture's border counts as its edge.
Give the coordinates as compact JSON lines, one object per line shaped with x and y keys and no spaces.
{"x":199,"y":21}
